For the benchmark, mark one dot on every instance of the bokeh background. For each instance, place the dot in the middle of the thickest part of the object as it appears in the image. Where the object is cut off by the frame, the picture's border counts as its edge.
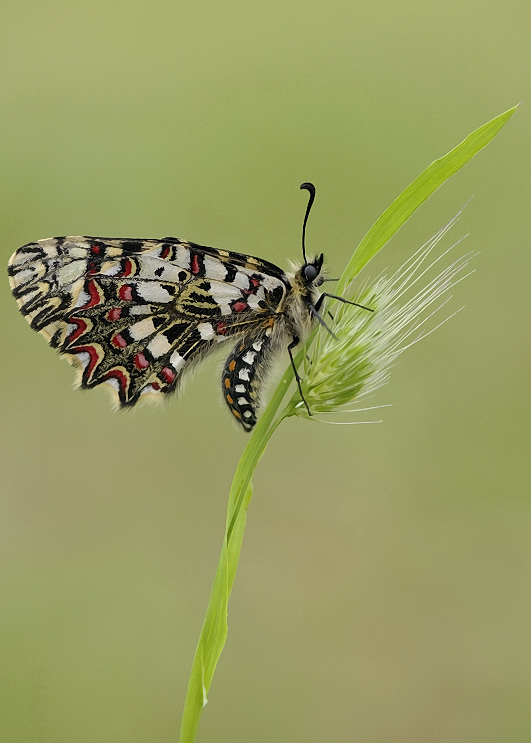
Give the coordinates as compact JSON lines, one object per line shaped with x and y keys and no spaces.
{"x":383,"y":594}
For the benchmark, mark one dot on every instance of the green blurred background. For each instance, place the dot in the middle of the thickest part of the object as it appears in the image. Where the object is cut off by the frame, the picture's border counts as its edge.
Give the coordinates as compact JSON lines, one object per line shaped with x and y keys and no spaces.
{"x":383,"y":593}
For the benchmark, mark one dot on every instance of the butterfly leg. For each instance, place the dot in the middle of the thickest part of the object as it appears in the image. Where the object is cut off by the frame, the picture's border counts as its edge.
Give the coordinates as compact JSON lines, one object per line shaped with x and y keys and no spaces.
{"x":298,"y":378}
{"x":341,"y":299}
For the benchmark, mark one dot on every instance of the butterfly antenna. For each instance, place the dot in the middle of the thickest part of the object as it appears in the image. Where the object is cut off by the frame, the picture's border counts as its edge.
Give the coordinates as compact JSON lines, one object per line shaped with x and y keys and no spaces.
{"x":311,"y":188}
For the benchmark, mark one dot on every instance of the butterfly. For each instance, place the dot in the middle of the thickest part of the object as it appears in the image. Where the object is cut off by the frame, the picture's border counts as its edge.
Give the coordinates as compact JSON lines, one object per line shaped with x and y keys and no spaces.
{"x":138,"y":314}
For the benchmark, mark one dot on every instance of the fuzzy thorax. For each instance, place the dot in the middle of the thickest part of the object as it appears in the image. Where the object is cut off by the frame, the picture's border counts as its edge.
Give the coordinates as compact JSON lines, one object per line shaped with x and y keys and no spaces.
{"x":303,"y":296}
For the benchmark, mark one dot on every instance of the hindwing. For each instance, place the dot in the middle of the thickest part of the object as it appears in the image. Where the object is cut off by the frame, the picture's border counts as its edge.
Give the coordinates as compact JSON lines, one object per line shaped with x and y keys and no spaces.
{"x":135,"y":314}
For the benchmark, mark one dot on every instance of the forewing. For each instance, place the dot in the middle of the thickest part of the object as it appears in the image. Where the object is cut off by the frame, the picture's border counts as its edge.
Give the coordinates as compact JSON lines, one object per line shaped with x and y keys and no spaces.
{"x":136,"y":313}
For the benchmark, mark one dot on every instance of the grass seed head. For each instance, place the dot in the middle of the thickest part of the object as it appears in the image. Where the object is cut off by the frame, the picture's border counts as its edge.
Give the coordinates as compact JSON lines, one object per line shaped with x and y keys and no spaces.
{"x":341,"y":370}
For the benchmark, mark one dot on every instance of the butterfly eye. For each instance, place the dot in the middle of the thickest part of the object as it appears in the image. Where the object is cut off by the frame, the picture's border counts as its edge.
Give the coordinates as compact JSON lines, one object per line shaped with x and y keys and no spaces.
{"x":310,"y":272}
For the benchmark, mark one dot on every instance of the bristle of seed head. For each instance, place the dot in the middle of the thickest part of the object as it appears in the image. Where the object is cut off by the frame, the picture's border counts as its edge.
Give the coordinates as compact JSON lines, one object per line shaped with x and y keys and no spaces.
{"x":348,"y":368}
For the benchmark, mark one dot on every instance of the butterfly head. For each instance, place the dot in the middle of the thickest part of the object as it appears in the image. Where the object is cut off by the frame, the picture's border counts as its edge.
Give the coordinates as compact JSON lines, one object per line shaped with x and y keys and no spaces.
{"x":311,"y":271}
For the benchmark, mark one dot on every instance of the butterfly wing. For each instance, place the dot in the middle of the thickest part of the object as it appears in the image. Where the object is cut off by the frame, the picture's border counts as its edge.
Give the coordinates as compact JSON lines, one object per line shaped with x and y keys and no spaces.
{"x":135,"y":314}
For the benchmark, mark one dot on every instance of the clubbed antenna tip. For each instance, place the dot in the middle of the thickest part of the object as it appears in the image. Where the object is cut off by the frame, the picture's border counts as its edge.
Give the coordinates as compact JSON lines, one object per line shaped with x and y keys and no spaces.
{"x":311,"y":188}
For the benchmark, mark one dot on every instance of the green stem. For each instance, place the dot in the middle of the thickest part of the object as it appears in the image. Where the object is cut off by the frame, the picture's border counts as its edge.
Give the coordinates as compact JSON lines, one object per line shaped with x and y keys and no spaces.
{"x":214,"y":631}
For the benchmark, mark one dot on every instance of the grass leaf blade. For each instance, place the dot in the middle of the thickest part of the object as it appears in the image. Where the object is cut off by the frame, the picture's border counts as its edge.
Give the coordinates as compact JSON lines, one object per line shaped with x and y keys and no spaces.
{"x":418,"y":191}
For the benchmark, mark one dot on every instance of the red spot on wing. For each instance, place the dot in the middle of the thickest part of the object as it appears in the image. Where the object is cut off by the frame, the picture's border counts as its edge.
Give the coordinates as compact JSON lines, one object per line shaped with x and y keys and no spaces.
{"x":119,"y":341}
{"x":94,"y":296}
{"x":121,"y":377}
{"x":114,"y":314}
{"x":80,"y":328}
{"x":195,"y":264}
{"x":127,"y":268}
{"x":221,"y":328}
{"x":125,"y":292}
{"x":239,"y":306}
{"x":168,"y":374}
{"x":164,"y":253}
{"x":155,"y":385}
{"x":140,"y":361}
{"x":95,"y":249}
{"x":254,"y":285}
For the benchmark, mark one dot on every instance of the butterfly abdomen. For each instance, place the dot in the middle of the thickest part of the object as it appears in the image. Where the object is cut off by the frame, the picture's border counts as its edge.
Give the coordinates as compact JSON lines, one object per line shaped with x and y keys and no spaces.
{"x":245,"y":370}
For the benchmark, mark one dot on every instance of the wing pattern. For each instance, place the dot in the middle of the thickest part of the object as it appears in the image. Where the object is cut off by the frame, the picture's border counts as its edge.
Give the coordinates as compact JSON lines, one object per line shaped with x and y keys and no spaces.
{"x":136,"y":314}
